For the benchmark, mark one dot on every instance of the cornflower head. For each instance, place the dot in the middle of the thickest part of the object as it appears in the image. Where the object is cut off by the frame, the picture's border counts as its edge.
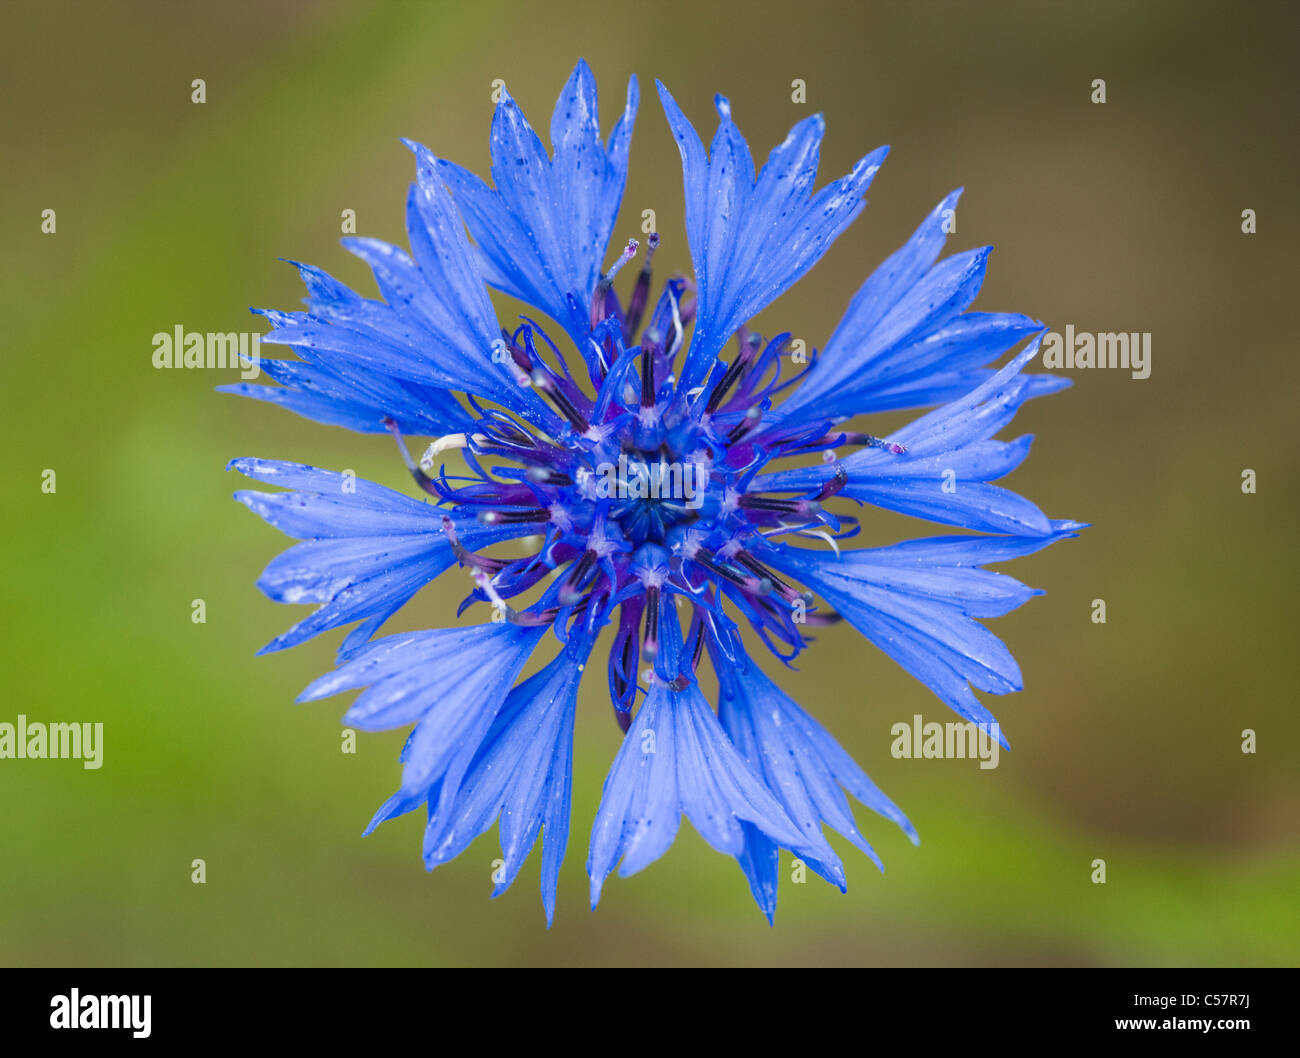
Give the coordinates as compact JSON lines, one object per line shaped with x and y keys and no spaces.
{"x":653,"y":467}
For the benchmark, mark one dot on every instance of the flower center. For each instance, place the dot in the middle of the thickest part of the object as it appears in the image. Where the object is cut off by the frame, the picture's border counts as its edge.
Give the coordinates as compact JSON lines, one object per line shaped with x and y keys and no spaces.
{"x":641,"y":489}
{"x":652,"y":493}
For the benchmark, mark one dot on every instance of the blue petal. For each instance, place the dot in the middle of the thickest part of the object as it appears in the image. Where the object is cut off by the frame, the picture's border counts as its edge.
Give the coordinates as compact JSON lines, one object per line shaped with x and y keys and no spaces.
{"x":450,"y":683}
{"x":889,"y":284}
{"x":906,"y":339}
{"x":435,"y":333}
{"x":543,"y":233}
{"x":366,"y":550}
{"x":926,"y":390}
{"x":917,"y":602}
{"x":522,"y":775}
{"x":943,"y":475}
{"x":434,"y":414}
{"x":328,"y":386}
{"x":760,"y":860}
{"x":459,"y":315}
{"x":675,"y":760}
{"x":801,"y":764}
{"x":751,"y":239}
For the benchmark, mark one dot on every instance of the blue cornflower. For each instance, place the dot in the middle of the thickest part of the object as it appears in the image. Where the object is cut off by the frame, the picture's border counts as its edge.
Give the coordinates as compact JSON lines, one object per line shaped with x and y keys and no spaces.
{"x":640,"y":477}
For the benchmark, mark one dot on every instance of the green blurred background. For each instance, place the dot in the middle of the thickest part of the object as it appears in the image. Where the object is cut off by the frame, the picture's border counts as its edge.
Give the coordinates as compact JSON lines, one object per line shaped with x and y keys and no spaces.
{"x":1123,"y":216}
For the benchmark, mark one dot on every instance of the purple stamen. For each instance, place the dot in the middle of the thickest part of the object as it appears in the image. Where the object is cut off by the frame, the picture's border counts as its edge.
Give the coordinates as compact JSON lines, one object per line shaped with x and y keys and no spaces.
{"x":734,"y":370}
{"x":421,"y":478}
{"x":545,"y":385}
{"x":649,"y":352}
{"x":599,"y":298}
{"x":571,"y":592}
{"x":650,"y":644}
{"x":748,"y":423}
{"x":514,"y":517}
{"x":469,"y":558}
{"x":640,"y":293}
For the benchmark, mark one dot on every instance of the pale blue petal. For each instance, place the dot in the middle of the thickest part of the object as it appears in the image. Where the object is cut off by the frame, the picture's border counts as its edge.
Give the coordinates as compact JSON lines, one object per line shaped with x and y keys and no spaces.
{"x":543,"y":232}
{"x":366,"y":549}
{"x":917,"y":603}
{"x":676,"y":760}
{"x":450,"y":683}
{"x":521,"y":775}
{"x":949,"y":459}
